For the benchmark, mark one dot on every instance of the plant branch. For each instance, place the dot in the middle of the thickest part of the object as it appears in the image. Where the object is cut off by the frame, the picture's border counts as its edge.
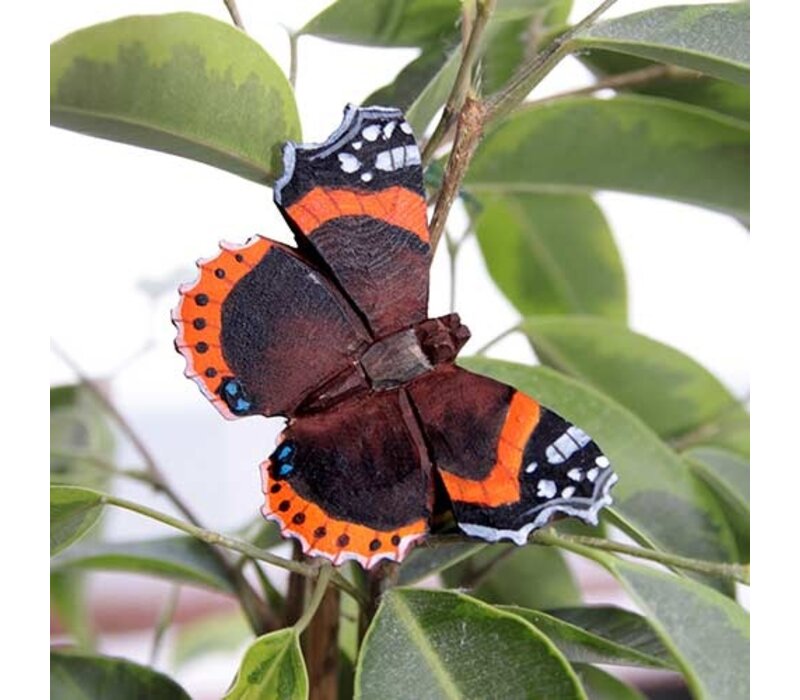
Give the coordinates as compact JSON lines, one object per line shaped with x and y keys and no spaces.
{"x":534,"y":71}
{"x":485,"y":347}
{"x":323,"y":579}
{"x":469,"y":129}
{"x":738,"y":572}
{"x":292,"y":58}
{"x":233,"y":11}
{"x":233,"y":543}
{"x":483,"y":11}
{"x":634,"y":78}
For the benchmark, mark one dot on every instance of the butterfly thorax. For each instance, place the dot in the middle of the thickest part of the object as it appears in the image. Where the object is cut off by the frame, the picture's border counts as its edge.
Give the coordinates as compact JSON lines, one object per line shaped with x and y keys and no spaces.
{"x":394,"y":360}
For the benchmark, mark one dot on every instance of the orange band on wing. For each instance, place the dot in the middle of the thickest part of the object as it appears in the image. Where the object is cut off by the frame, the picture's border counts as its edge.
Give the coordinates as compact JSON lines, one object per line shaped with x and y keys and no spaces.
{"x":337,"y":540}
{"x":394,"y":205}
{"x":501,"y":485}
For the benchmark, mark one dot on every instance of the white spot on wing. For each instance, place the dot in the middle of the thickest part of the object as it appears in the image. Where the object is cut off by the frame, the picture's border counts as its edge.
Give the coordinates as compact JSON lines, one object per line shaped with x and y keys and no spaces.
{"x":366,"y":177}
{"x":553,"y":455}
{"x":578,"y":435}
{"x":348,"y":162}
{"x":575,"y":474}
{"x":413,"y":156}
{"x":371,"y":132}
{"x":591,"y":475}
{"x":406,"y":127}
{"x":356,"y":145}
{"x":568,"y":492}
{"x":531,"y":468}
{"x":546,"y":488}
{"x":602,"y":461}
{"x":388,"y":130}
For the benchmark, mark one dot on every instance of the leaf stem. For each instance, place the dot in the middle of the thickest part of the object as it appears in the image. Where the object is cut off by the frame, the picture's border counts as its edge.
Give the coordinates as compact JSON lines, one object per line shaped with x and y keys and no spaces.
{"x":292,"y":59}
{"x":485,"y":347}
{"x":164,"y":621}
{"x":233,"y":11}
{"x":534,"y":71}
{"x":738,"y":572}
{"x":233,"y":543}
{"x":483,"y":11}
{"x":323,"y":579}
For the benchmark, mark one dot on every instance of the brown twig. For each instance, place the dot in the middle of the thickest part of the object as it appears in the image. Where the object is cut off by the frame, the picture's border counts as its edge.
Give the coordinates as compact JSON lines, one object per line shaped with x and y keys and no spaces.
{"x":233,"y":11}
{"x":483,"y":11}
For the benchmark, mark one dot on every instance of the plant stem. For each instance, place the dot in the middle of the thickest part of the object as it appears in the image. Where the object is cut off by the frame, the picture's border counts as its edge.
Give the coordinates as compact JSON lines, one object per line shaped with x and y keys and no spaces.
{"x":233,"y":543}
{"x":233,"y":11}
{"x":452,"y":252}
{"x":164,"y":621}
{"x":483,"y":11}
{"x":737,"y":572}
{"x":534,"y":71}
{"x":325,"y":572}
{"x":483,"y":349}
{"x":292,"y":58}
{"x":632,"y":78}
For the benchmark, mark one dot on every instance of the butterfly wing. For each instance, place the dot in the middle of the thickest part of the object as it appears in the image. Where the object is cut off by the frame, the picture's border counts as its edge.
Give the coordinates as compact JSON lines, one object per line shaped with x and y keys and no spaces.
{"x":356,"y":202}
{"x":261,"y":327}
{"x":507,"y":463}
{"x":351,"y":483}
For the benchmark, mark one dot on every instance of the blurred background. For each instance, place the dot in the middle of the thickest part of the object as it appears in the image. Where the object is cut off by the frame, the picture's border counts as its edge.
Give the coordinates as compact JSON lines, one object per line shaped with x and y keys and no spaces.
{"x":134,"y":222}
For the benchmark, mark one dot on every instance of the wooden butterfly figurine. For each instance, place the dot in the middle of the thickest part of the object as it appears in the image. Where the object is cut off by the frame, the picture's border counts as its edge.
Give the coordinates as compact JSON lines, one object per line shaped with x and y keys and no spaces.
{"x":334,"y":335}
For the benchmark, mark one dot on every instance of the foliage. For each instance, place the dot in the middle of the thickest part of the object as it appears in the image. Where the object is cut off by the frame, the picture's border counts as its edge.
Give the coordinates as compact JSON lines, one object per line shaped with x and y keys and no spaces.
{"x":510,"y":620}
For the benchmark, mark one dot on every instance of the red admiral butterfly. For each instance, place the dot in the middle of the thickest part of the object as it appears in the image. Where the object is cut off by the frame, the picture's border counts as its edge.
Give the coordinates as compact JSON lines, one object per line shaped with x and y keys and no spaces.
{"x":334,"y":335}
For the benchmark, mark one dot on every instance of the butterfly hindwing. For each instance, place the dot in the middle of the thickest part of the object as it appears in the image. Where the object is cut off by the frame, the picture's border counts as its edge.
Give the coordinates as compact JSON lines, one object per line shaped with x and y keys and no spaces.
{"x":261,"y":327}
{"x":351,"y":483}
{"x":357,"y":203}
{"x":507,"y":463}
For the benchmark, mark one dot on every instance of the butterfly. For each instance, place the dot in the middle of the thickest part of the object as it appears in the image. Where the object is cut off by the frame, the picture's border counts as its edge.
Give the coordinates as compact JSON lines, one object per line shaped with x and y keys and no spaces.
{"x":334,"y":335}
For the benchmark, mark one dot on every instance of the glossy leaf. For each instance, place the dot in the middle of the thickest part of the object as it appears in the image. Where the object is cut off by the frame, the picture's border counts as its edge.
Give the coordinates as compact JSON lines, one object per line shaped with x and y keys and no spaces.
{"x":657,"y":498}
{"x":707,"y":633}
{"x":702,"y":91}
{"x":531,"y":577}
{"x":183,"y":559}
{"x":68,"y":603}
{"x":552,"y":254}
{"x":440,"y":644}
{"x":83,"y":677}
{"x":631,"y":143}
{"x":728,"y":475}
{"x":422,"y":87}
{"x":668,"y":390}
{"x":600,"y":635}
{"x":273,"y":667}
{"x":181,"y":83}
{"x":385,"y":22}
{"x":426,"y":561}
{"x":73,"y":511}
{"x":600,"y":685}
{"x":713,"y":39}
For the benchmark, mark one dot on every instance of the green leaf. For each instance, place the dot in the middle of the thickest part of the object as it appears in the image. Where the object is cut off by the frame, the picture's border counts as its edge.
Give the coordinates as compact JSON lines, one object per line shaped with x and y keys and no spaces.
{"x":531,"y":577}
{"x":180,"y":558}
{"x":552,"y":254}
{"x":73,"y":511}
{"x":440,"y":644}
{"x":181,"y":83}
{"x":707,"y":633}
{"x":728,"y":475}
{"x":422,"y":87}
{"x":657,"y":498}
{"x":701,"y":91}
{"x":82,"y":677}
{"x":68,"y":602}
{"x":386,"y":22}
{"x":211,"y":634}
{"x":273,"y":667}
{"x":600,"y":685}
{"x":631,"y":143}
{"x":80,"y":438}
{"x":668,"y":390}
{"x":600,"y":635}
{"x":713,"y":39}
{"x":428,"y":560}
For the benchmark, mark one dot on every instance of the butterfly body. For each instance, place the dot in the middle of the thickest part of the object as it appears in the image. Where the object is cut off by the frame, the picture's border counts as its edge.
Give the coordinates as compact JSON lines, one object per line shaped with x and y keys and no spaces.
{"x":334,"y":335}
